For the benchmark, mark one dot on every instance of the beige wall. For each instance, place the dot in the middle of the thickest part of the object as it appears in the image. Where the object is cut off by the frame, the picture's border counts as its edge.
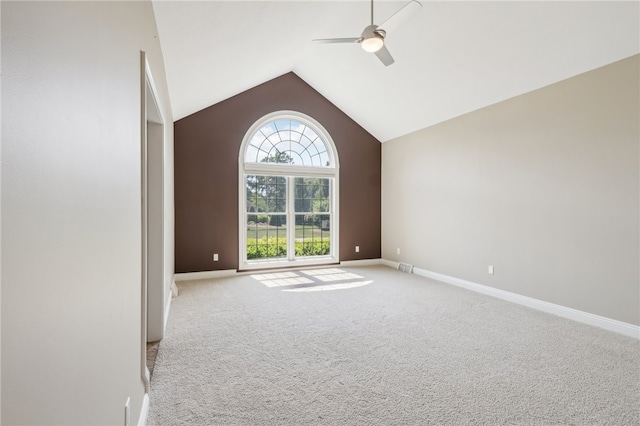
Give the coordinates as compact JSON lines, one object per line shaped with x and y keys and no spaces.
{"x":71,"y":216}
{"x":543,"y":186}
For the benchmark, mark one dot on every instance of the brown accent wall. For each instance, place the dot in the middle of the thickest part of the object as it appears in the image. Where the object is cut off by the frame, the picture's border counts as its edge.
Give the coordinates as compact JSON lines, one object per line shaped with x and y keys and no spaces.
{"x":207,"y":145}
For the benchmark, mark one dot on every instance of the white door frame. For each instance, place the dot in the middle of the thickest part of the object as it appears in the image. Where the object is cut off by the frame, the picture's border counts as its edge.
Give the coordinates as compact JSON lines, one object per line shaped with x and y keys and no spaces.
{"x":153,"y":278}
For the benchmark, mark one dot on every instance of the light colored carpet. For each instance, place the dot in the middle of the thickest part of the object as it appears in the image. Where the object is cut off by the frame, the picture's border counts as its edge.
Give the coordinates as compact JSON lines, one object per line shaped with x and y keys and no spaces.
{"x":387,"y":349}
{"x":152,"y":353}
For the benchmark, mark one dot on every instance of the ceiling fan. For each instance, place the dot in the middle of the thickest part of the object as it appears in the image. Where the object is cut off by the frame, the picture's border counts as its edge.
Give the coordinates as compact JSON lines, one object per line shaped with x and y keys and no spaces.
{"x":372,"y":38}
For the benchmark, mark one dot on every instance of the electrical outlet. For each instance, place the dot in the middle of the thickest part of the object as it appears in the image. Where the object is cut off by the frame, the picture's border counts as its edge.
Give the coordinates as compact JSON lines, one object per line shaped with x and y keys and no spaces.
{"x":357,"y":249}
{"x":127,"y":412}
{"x":490,"y":269}
{"x":215,"y":257}
{"x":398,"y":250}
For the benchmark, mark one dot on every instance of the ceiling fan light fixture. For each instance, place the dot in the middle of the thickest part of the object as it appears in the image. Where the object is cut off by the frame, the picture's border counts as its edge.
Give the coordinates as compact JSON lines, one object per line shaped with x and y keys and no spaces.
{"x":372,"y":44}
{"x":373,"y":36}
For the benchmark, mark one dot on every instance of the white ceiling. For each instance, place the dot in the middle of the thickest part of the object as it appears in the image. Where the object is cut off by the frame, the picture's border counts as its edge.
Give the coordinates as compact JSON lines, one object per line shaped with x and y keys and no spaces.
{"x":451,"y":57}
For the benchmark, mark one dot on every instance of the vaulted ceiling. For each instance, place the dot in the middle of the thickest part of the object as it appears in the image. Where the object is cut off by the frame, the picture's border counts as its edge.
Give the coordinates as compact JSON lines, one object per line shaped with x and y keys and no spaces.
{"x":452,"y":57}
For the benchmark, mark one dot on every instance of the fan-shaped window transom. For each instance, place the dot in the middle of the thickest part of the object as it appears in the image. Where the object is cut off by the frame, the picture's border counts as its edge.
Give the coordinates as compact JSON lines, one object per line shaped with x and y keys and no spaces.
{"x":288,"y":141}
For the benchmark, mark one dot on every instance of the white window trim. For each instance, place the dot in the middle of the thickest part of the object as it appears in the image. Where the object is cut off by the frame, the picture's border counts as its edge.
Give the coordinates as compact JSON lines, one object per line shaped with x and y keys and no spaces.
{"x":273,"y":169}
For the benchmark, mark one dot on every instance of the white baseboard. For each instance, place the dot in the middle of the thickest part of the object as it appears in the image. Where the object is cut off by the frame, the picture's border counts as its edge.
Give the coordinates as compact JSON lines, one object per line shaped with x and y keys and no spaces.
{"x":144,"y":411}
{"x":551,"y":308}
{"x":204,"y":275}
{"x":389,"y":263}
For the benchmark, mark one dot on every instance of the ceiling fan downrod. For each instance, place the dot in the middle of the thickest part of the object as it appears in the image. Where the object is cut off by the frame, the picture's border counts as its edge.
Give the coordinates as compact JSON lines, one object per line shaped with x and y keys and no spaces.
{"x":371,"y":12}
{"x":373,"y":36}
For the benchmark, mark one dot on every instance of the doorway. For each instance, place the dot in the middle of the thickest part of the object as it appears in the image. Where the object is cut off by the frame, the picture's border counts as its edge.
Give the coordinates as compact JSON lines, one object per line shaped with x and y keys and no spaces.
{"x":154,"y":290}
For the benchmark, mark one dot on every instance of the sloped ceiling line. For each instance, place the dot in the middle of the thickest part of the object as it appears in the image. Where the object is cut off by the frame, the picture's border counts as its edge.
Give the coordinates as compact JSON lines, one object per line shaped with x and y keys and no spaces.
{"x":451,"y":58}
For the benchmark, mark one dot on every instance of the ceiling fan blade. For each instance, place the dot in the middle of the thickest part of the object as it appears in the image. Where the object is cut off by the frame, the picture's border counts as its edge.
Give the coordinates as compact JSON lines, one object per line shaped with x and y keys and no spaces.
{"x":384,"y":56}
{"x":400,"y":16}
{"x":338,"y":40}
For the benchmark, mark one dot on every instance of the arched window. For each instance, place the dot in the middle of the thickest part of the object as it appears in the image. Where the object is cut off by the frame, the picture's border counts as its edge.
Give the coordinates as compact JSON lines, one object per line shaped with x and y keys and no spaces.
{"x":288,"y":193}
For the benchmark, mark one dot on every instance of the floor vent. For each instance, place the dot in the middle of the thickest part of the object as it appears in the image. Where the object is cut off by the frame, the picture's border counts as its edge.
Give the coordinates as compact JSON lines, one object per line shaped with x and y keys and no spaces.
{"x":405,"y":267}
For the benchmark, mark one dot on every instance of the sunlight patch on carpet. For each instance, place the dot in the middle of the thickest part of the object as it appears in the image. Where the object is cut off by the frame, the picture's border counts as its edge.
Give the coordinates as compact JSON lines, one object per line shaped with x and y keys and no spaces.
{"x":281,"y":279}
{"x":312,"y":280}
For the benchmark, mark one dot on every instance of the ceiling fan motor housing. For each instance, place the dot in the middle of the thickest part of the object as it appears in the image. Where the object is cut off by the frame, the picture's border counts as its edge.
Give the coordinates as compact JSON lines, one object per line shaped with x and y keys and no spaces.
{"x":372,"y":38}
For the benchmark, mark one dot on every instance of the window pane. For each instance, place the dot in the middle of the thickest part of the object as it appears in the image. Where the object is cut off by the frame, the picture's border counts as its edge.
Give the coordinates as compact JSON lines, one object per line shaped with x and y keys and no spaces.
{"x":310,"y":134}
{"x":324,"y":159}
{"x":313,"y":235}
{"x":266,"y":194}
{"x":267,"y":238}
{"x":312,"y":195}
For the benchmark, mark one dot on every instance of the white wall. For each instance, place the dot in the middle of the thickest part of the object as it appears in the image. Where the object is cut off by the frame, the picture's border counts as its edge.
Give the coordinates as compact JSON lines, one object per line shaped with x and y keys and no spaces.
{"x":71,"y":232}
{"x":543,"y":186}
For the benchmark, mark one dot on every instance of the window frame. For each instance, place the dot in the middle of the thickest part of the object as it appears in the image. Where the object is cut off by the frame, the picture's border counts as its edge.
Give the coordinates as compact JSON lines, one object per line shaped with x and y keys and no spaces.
{"x":290,"y":172}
